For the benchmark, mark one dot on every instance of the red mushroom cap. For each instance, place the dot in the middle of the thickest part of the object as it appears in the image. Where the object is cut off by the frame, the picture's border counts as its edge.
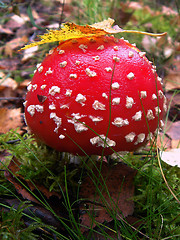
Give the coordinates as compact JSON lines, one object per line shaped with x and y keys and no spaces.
{"x":89,"y":87}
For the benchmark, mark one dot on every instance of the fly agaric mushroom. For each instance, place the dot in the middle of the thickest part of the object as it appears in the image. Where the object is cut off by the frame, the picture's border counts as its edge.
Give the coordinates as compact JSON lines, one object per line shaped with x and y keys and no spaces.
{"x":95,"y":94}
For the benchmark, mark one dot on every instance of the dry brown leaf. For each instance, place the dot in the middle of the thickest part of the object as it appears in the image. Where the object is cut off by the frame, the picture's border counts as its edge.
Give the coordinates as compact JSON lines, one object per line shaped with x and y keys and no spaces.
{"x":29,"y":53}
{"x":7,"y":82}
{"x":135,"y":5}
{"x":173,"y":131}
{"x":173,"y":99}
{"x":16,"y":42}
{"x":174,"y":113}
{"x":172,"y":80}
{"x":163,"y":142}
{"x":11,"y":176}
{"x":169,"y":11}
{"x":12,"y":25}
{"x":42,"y":189}
{"x":119,"y":182}
{"x":175,"y":143}
{"x":168,"y":51}
{"x":5,"y":30}
{"x":149,"y":44}
{"x":24,"y":186}
{"x":15,"y":22}
{"x":35,"y":14}
{"x":13,"y":44}
{"x":24,"y":84}
{"x":10,"y":119}
{"x":9,"y":64}
{"x":3,"y":159}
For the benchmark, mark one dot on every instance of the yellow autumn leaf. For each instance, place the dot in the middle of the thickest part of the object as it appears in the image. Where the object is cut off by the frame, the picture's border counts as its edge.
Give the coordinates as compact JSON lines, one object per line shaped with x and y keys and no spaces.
{"x":72,"y":30}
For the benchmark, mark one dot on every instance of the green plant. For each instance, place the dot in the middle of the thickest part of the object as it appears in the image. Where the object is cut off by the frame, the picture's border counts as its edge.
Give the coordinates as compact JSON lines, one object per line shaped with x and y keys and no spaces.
{"x":12,"y":226}
{"x":154,"y":204}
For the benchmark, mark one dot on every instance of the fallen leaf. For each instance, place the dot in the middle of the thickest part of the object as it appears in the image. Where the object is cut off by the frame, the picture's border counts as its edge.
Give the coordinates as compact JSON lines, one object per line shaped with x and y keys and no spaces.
{"x":163,"y":141}
{"x":42,"y":189}
{"x":23,"y":84}
{"x":74,"y":31}
{"x":175,"y":143}
{"x":168,"y":51}
{"x":171,"y":157}
{"x":172,"y":80}
{"x":119,"y":182}
{"x":7,"y":82}
{"x":10,"y":46}
{"x":10,"y":174}
{"x":29,"y":53}
{"x":16,"y":42}
{"x":9,"y":64}
{"x":174,"y":113}
{"x":173,"y":130}
{"x":175,"y":99}
{"x":15,"y":22}
{"x":5,"y":30}
{"x":169,"y":11}
{"x":71,"y":31}
{"x":149,"y":44}
{"x":3,"y":158}
{"x":135,"y":5}
{"x":25,"y":186}
{"x":10,"y":119}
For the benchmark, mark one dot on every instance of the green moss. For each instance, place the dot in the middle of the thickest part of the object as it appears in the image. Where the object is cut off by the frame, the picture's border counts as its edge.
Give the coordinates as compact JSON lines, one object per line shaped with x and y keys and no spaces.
{"x":154,"y":203}
{"x":39,"y":163}
{"x":12,"y":227}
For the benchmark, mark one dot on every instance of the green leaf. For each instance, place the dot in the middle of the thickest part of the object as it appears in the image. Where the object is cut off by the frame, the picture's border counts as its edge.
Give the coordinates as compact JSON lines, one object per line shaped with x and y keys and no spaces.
{"x":29,"y":12}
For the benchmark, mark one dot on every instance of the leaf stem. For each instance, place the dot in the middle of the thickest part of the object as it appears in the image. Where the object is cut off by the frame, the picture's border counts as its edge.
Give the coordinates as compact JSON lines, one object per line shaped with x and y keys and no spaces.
{"x":145,"y":33}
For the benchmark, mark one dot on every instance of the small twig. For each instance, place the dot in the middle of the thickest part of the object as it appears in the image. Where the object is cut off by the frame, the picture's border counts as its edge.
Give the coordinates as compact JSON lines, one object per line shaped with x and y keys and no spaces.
{"x":133,"y":227}
{"x":15,"y":141}
{"x":170,"y":237}
{"x":12,"y":98}
{"x":61,"y":15}
{"x":161,"y":226}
